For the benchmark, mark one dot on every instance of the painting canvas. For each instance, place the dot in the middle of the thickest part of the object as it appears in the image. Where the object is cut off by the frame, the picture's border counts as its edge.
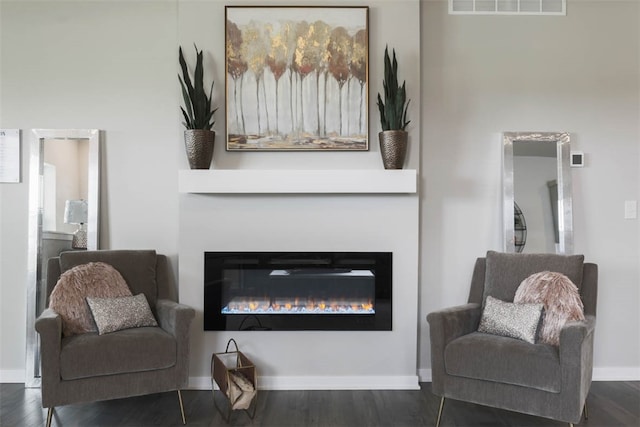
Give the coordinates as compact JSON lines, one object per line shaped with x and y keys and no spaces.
{"x":296,"y":78}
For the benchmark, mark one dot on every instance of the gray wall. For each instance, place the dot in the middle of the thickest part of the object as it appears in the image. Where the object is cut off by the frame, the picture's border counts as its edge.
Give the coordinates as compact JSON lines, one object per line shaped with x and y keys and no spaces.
{"x":106,"y":65}
{"x":113,"y":66}
{"x":321,"y":222}
{"x":486,"y":74}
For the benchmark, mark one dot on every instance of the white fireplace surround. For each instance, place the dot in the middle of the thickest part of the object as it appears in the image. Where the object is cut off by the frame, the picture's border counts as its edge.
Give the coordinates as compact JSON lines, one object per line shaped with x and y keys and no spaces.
{"x":354,"y":210}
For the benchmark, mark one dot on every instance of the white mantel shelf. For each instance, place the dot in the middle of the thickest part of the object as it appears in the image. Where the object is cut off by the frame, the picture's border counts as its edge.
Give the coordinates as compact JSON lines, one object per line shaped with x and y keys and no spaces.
{"x":282,"y":181}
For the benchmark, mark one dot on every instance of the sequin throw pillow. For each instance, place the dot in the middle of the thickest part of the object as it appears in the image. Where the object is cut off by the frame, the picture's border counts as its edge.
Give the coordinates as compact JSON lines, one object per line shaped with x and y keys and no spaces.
{"x":507,"y":319}
{"x":115,"y":314}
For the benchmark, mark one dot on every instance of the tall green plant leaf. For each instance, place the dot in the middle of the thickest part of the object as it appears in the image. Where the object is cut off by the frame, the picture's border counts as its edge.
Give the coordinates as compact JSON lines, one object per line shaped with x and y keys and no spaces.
{"x":393,"y":110}
{"x":198,"y":113}
{"x":187,"y":103}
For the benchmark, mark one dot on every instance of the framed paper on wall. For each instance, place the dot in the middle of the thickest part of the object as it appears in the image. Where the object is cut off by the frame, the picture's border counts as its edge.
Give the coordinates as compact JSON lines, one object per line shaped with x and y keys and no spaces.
{"x":297,"y":78}
{"x":9,"y":155}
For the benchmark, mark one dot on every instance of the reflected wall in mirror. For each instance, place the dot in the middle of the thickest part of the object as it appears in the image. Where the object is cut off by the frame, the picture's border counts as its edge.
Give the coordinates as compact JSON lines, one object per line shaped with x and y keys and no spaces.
{"x":63,"y":214}
{"x":537,"y":177}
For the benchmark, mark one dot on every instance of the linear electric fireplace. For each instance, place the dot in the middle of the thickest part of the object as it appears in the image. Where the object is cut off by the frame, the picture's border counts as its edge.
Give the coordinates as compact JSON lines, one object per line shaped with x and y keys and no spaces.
{"x":297,"y":291}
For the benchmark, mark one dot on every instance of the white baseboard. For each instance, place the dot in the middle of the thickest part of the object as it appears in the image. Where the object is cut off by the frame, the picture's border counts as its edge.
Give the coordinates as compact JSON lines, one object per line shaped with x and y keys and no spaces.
{"x":12,"y":376}
{"x":616,"y":374}
{"x":352,"y":383}
{"x":599,"y":374}
{"x":323,"y":383}
{"x":388,"y":382}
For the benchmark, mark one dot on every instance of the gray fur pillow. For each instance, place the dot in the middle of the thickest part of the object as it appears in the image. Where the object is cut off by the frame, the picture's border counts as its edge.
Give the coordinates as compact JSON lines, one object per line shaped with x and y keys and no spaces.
{"x":560,"y":298}
{"x":115,"y":314}
{"x":512,"y":320}
{"x":68,"y":298}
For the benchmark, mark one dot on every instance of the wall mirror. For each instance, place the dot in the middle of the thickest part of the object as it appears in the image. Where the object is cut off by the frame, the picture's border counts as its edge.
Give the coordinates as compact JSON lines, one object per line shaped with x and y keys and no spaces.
{"x":537,"y":212}
{"x":64,"y":196}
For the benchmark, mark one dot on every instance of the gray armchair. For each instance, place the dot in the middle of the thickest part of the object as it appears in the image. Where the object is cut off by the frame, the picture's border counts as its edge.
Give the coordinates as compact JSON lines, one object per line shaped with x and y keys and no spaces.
{"x":506,"y":373}
{"x":90,"y":367}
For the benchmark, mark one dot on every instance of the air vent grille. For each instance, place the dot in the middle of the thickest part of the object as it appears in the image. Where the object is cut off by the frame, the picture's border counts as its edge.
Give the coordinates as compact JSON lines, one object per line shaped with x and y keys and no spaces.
{"x":508,"y":7}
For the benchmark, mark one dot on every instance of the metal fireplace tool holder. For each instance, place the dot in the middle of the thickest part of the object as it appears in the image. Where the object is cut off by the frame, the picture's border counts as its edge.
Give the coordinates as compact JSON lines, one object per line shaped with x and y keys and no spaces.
{"x":236,"y":378}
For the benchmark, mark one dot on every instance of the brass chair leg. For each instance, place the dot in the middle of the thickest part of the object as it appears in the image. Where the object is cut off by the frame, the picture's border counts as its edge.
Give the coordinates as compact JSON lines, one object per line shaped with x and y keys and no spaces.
{"x":586,"y":412}
{"x":49,"y":416}
{"x":440,"y":411}
{"x":181,"y":407}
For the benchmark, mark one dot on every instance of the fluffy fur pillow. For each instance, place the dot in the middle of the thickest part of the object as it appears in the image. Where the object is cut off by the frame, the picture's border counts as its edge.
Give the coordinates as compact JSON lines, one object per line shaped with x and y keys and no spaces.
{"x":68,"y":298}
{"x":560,"y":298}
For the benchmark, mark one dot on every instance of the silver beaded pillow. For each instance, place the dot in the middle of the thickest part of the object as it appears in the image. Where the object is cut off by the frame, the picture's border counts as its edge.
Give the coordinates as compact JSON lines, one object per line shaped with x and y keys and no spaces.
{"x":510,"y":320}
{"x":114,"y":314}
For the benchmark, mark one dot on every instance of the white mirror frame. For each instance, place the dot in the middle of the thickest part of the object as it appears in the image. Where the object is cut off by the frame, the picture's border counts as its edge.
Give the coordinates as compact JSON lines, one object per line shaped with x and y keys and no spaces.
{"x":565,"y":210}
{"x":36,"y":193}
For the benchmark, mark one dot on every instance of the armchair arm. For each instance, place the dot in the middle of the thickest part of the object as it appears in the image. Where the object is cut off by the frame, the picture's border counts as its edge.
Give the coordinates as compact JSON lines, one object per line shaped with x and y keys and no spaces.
{"x":176,"y":319}
{"x":454,"y":322}
{"x":574,"y":333}
{"x":576,"y":356}
{"x":49,"y":326}
{"x":49,"y":322}
{"x":173,"y":317}
{"x":445,"y":326}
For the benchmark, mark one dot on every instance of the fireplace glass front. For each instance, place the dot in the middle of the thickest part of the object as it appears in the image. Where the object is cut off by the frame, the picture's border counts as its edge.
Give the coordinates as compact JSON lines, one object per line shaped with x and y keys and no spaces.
{"x":297,"y":291}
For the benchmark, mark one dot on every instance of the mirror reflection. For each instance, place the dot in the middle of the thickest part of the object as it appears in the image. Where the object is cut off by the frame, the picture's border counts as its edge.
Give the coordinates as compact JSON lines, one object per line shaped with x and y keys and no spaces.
{"x":65,"y":193}
{"x":63,"y":213}
{"x":537,"y":192}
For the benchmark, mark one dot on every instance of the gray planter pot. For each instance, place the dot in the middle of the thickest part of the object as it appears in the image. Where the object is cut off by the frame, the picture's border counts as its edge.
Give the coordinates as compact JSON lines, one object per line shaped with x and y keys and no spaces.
{"x":199,"y":146}
{"x":393,"y":148}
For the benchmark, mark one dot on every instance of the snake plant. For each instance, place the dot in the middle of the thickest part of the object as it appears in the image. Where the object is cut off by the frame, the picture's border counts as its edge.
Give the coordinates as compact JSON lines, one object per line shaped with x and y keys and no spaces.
{"x":393,"y":111}
{"x":198,"y":114}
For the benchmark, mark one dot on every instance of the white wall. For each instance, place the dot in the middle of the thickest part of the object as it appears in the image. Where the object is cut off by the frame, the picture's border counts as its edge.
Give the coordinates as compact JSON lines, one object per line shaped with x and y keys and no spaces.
{"x":307,"y":359}
{"x":120,"y":76}
{"x":112,"y":65}
{"x":303,"y":223}
{"x":483,"y":75}
{"x":106,"y":65}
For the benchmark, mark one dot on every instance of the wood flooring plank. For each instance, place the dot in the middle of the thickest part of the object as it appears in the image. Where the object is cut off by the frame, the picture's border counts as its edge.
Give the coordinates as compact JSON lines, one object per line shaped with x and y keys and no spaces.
{"x":611,"y":404}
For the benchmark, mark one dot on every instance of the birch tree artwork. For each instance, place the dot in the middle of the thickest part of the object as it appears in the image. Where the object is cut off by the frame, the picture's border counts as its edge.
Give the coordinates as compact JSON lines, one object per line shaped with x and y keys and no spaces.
{"x":297,"y":78}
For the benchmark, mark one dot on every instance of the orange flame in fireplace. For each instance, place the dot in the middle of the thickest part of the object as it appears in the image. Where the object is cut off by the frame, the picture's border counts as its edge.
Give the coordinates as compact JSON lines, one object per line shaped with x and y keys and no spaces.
{"x":287,"y":306}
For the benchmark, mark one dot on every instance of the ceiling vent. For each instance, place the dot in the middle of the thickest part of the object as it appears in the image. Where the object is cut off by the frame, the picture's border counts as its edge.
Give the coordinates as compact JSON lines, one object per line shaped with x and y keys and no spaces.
{"x":508,"y":7}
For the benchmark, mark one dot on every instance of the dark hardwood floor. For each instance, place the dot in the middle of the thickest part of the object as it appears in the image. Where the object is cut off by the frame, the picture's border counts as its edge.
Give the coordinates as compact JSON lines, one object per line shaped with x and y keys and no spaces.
{"x":610,"y":404}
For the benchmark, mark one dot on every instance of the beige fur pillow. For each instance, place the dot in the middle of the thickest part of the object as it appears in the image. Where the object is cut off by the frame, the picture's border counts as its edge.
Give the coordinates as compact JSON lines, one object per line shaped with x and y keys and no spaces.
{"x":68,"y":298}
{"x":560,"y":298}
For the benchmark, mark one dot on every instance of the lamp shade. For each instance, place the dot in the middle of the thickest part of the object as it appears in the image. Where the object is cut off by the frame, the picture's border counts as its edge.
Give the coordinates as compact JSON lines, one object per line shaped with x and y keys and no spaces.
{"x":75,"y":212}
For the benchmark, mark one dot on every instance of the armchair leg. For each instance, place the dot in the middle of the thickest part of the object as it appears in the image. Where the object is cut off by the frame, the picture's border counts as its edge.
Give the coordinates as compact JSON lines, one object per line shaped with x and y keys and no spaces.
{"x":440,"y":412}
{"x":181,"y":407}
{"x":49,"y":416}
{"x":586,"y":412}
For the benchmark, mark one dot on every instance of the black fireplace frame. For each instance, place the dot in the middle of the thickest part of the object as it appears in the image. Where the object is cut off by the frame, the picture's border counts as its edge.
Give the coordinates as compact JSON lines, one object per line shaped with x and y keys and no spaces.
{"x":216,"y":262}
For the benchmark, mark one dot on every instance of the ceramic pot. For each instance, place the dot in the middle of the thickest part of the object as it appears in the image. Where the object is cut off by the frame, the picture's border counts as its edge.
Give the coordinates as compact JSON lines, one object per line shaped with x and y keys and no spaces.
{"x":199,"y":146}
{"x":393,"y":148}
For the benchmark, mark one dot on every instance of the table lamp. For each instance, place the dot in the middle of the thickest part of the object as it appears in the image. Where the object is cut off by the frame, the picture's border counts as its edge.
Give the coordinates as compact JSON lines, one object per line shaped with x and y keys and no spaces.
{"x":75,"y":212}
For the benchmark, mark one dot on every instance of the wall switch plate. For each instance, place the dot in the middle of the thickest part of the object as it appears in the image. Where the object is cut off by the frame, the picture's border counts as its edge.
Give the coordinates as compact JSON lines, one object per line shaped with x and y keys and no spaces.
{"x":630,"y":209}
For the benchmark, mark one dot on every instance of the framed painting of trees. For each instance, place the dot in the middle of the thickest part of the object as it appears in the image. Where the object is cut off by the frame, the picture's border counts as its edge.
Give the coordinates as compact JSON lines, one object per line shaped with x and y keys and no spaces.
{"x":297,"y":78}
